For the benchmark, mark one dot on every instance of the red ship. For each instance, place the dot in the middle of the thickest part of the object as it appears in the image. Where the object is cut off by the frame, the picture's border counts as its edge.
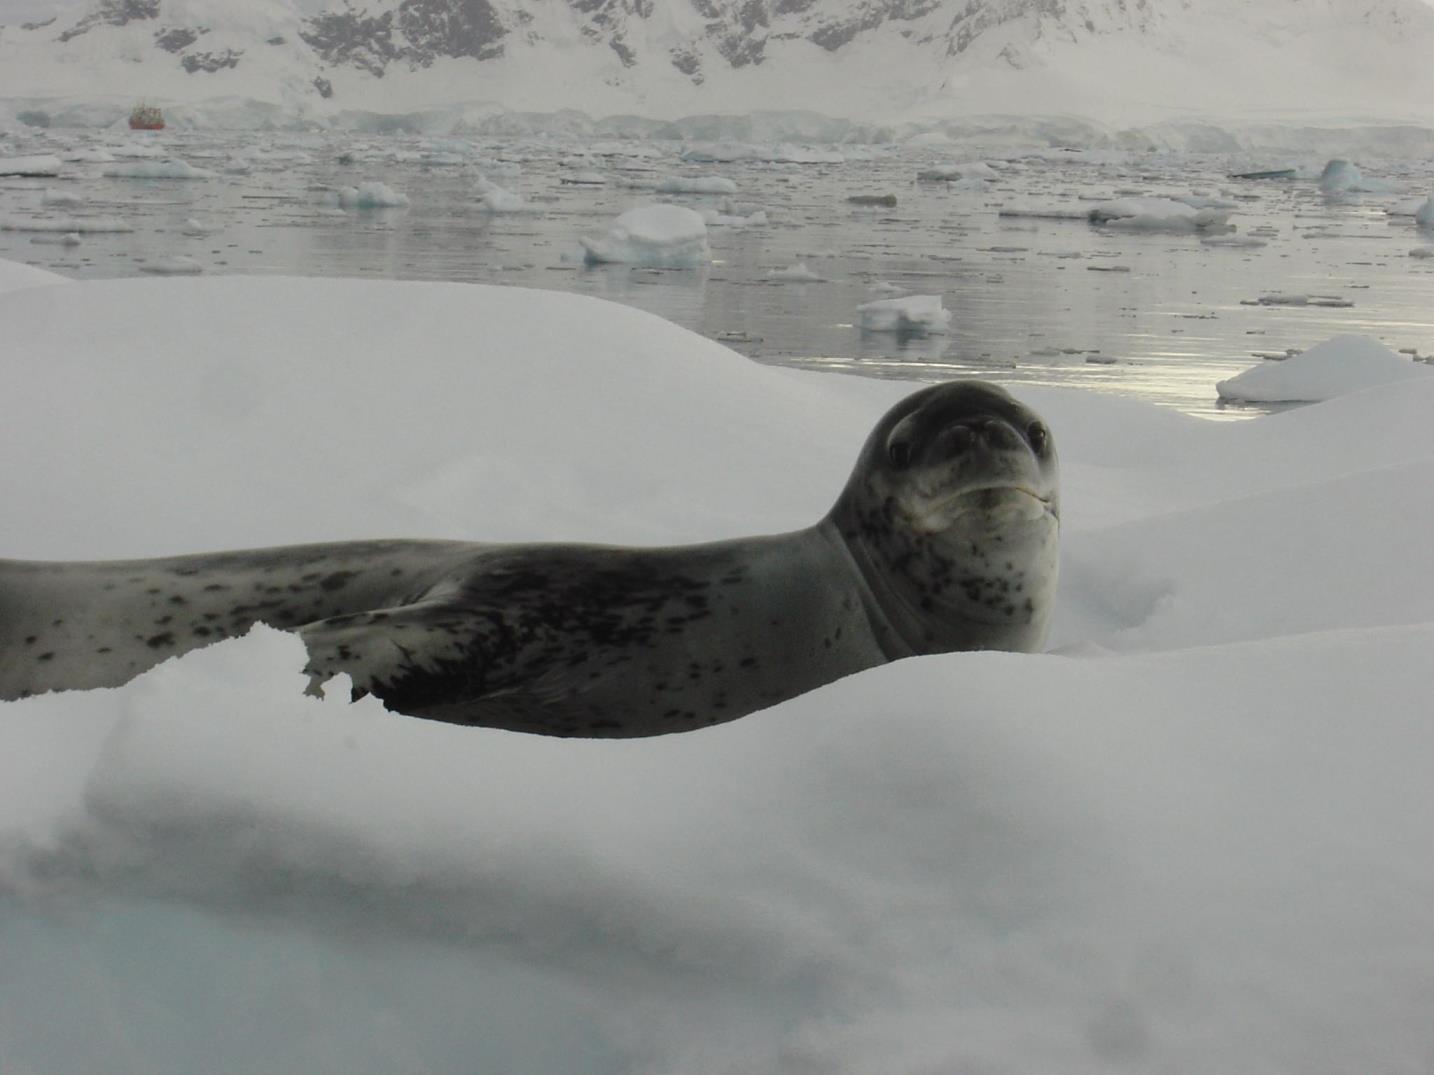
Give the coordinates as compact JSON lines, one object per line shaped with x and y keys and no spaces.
{"x":146,"y":118}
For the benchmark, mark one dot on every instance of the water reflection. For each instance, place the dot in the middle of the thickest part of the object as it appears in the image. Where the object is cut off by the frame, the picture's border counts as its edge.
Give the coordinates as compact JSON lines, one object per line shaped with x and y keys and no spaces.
{"x":1158,"y":316}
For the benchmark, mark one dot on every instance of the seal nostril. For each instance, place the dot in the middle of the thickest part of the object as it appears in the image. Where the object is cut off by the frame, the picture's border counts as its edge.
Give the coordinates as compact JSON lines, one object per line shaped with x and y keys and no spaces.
{"x":1038,"y":437}
{"x":961,"y":438}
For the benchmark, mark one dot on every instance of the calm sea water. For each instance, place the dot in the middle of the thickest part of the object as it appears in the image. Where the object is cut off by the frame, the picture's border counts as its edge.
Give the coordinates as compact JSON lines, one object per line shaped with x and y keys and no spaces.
{"x":1159,"y":316}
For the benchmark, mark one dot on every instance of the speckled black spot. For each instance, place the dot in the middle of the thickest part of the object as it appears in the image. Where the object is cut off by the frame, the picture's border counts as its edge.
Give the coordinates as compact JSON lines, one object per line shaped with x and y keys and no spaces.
{"x":159,"y":641}
{"x":336,"y":580}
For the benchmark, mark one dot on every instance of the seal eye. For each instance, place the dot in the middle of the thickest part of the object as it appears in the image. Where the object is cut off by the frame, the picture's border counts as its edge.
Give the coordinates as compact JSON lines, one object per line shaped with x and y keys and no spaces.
{"x":899,"y":452}
{"x":1038,"y":437}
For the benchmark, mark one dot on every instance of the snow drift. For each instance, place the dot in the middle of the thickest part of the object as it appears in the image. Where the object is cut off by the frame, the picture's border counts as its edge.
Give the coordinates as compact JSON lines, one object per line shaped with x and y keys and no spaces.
{"x":1194,"y":839}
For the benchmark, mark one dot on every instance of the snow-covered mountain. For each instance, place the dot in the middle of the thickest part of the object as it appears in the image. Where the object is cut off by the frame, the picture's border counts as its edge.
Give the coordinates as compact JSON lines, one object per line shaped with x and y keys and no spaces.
{"x":884,"y":60}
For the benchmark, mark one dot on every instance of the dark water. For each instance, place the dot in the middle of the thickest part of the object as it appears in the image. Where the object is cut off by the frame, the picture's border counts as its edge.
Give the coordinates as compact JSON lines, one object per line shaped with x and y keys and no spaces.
{"x":1159,"y":316}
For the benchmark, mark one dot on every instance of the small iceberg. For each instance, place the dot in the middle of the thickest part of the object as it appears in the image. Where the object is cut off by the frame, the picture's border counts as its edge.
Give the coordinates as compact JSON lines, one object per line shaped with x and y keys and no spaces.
{"x":1332,"y":368}
{"x":795,"y":274}
{"x":373,"y":195}
{"x":45,"y":165}
{"x":910,"y":315}
{"x":1157,"y":214}
{"x":653,"y":236}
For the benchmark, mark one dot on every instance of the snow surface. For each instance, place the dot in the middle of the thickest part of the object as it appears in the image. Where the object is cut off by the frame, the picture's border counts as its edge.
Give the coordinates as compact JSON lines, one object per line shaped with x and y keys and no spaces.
{"x":1332,"y":368}
{"x":1194,"y":840}
{"x":655,"y":236}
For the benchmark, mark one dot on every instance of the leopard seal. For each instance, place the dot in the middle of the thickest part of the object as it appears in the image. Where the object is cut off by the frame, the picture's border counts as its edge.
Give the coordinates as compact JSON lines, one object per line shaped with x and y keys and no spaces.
{"x":944,"y":538}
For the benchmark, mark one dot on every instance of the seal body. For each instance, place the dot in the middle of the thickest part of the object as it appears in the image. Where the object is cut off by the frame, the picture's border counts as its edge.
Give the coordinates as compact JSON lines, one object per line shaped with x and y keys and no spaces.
{"x":945,"y":538}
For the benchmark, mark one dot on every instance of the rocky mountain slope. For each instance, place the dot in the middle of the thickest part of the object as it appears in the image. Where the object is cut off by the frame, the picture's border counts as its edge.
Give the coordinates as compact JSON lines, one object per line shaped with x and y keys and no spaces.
{"x":867,"y":58}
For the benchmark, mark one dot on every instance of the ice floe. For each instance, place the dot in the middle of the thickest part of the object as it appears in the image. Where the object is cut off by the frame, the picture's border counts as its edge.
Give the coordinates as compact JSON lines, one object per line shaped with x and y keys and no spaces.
{"x":909,"y":315}
{"x":654,"y":236}
{"x":1332,"y":368}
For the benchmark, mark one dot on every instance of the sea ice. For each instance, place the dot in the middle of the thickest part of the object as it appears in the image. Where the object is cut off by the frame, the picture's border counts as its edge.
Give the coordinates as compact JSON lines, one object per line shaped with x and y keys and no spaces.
{"x":913,"y":315}
{"x":1332,"y":368}
{"x":77,"y":224}
{"x":45,"y":165}
{"x":796,"y":274}
{"x":971,"y":861}
{"x":704,"y":184}
{"x":176,"y":265}
{"x":371,"y":195}
{"x":1339,"y":176}
{"x":1424,"y":215}
{"x":168,"y":169}
{"x":495,"y":199}
{"x":1156,"y":214}
{"x":968,"y":170}
{"x":654,"y":236}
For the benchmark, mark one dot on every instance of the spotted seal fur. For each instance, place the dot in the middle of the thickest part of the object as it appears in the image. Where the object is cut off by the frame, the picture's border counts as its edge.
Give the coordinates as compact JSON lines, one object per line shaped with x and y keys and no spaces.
{"x":944,"y":538}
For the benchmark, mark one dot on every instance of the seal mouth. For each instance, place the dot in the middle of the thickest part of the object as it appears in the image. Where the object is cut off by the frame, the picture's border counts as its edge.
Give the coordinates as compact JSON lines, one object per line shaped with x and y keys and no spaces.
{"x":996,"y":504}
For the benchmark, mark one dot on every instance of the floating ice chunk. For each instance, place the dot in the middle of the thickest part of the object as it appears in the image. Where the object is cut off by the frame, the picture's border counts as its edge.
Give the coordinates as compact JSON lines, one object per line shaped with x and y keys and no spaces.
{"x":585,"y":179}
{"x":697,"y":184}
{"x":884,"y":201}
{"x":167,"y":169}
{"x":494,"y":199}
{"x":1038,"y":213}
{"x":61,"y":199}
{"x":1156,"y":214}
{"x":89,"y":156}
{"x":1422,"y":252}
{"x":1339,"y":176}
{"x":1332,"y":368}
{"x":77,"y":224}
{"x":54,"y":238}
{"x":910,"y":315}
{"x":719,"y":219}
{"x":193,"y":226}
{"x":372,"y":195}
{"x":1240,"y":242}
{"x":1297,"y":299}
{"x":657,"y":236}
{"x":173,"y":266}
{"x":45,"y":165}
{"x":949,"y":172}
{"x":1206,"y":201}
{"x":796,"y":274}
{"x":1424,"y":215}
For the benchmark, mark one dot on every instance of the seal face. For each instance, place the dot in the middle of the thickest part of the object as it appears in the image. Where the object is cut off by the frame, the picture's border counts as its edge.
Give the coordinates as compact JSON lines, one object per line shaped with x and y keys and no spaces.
{"x":952,"y":515}
{"x":944,"y":538}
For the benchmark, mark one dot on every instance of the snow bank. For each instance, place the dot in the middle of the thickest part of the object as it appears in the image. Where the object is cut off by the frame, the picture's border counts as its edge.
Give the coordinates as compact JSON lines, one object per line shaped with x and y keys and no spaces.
{"x":1196,"y":841}
{"x":916,"y":315}
{"x":656,"y":236}
{"x":14,"y":275}
{"x":1332,"y":368}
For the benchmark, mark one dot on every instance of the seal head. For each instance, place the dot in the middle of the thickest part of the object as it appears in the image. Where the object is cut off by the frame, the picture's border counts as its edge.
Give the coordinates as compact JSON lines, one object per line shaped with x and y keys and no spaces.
{"x":952,"y":516}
